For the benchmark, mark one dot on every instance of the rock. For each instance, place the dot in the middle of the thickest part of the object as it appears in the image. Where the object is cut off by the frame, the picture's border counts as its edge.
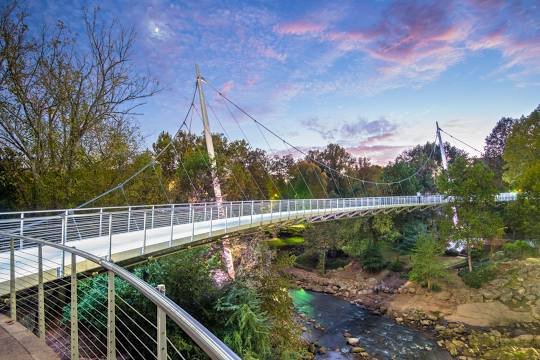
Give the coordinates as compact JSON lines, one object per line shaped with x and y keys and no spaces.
{"x":506,"y":297}
{"x":322,"y":350}
{"x":399,"y":319}
{"x":452,"y":349}
{"x":347,"y":334}
{"x":425,"y":322}
{"x":524,"y":338}
{"x":439,"y":328}
{"x":353,"y":341}
{"x":357,"y":350}
{"x":492,"y":313}
{"x":411,"y":290}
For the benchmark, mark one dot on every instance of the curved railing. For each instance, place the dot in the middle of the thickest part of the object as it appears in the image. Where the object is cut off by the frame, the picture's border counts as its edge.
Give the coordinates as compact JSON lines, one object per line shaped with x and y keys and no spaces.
{"x":113,"y":328}
{"x":122,"y":233}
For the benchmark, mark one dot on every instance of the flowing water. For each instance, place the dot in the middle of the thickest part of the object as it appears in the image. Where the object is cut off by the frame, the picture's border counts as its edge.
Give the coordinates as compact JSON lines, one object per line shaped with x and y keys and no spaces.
{"x":380,"y":336}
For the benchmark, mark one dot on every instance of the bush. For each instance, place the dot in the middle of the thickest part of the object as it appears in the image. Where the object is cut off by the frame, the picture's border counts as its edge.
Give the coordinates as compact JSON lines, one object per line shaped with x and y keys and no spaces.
{"x":396,"y":265}
{"x":307,"y":260}
{"x":426,"y":268}
{"x":479,"y":276}
{"x":372,"y":259}
{"x":519,"y":250}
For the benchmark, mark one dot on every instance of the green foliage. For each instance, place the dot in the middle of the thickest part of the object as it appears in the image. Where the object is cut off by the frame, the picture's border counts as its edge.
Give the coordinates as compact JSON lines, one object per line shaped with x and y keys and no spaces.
{"x":247,"y":328}
{"x":426,"y":267}
{"x":396,"y":265}
{"x":471,"y":185}
{"x":519,"y":249}
{"x":522,"y":171}
{"x":480,"y":275}
{"x":412,"y":229}
{"x":371,"y":258}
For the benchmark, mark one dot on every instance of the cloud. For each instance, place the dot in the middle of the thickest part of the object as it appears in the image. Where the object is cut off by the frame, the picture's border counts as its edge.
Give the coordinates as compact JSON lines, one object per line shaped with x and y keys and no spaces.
{"x":367,"y":131}
{"x":314,"y":124}
{"x":227,"y":87}
{"x":372,"y":130}
{"x":300,"y":27}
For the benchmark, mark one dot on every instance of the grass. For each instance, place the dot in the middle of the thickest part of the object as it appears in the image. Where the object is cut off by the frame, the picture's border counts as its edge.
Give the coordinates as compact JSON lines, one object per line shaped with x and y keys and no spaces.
{"x":285,"y":241}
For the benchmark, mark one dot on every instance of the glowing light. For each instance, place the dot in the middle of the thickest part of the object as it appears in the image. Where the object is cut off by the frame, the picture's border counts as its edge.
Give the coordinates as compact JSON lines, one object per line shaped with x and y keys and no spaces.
{"x":156,"y":29}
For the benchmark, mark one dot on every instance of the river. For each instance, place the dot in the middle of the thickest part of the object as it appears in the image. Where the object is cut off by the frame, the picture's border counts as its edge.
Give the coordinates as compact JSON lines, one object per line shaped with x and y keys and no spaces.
{"x":380,"y":336}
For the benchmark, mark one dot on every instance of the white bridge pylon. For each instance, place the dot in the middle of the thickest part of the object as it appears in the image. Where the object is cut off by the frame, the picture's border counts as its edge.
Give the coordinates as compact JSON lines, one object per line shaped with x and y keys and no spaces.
{"x":124,"y":233}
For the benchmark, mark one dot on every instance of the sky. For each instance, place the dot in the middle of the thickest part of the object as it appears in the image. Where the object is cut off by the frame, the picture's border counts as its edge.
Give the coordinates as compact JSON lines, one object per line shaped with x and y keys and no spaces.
{"x":372,"y":76}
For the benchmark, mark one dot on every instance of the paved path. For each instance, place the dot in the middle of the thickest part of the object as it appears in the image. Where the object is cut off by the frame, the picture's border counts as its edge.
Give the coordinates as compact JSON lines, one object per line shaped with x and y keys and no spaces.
{"x":18,"y":343}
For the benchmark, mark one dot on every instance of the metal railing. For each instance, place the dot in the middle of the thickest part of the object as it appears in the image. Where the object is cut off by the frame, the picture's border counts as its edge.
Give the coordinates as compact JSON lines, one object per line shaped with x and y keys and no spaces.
{"x":104,"y":326}
{"x":173,"y":220}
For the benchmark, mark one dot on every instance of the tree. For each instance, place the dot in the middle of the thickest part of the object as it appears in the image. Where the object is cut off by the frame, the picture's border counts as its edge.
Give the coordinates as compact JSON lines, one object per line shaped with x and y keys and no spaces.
{"x":494,"y":148}
{"x":471,"y":185}
{"x":522,"y":171}
{"x":320,"y":238}
{"x":247,"y":325}
{"x":426,"y":268}
{"x":64,"y":99}
{"x":340,"y":161}
{"x":309,"y":181}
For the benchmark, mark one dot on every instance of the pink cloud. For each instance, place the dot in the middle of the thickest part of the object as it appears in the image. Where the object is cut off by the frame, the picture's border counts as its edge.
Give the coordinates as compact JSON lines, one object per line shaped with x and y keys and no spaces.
{"x":227,"y":87}
{"x":299,"y":28}
{"x":271,"y":53}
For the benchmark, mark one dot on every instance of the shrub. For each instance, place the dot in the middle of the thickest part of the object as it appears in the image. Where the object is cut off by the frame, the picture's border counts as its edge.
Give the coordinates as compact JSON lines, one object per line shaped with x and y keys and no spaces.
{"x":479,"y":276}
{"x":396,"y":265}
{"x":426,"y":268}
{"x":372,"y":259}
{"x":519,"y":249}
{"x":307,"y":260}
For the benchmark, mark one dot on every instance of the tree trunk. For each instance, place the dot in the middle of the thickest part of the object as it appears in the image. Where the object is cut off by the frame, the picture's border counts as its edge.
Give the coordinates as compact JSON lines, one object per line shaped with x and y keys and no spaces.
{"x":469,"y":258}
{"x":322,"y":261}
{"x":227,"y":258}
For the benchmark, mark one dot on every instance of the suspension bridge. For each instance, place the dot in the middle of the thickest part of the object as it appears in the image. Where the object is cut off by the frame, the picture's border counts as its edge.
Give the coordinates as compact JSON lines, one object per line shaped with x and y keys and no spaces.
{"x":45,"y":253}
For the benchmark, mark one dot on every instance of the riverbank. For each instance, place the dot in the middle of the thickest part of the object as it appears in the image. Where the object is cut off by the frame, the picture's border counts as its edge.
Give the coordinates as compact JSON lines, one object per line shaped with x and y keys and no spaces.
{"x":500,"y":318}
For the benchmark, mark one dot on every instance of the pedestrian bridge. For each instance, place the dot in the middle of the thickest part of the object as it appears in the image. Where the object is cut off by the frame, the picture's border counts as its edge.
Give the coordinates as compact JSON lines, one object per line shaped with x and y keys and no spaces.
{"x":125,"y":233}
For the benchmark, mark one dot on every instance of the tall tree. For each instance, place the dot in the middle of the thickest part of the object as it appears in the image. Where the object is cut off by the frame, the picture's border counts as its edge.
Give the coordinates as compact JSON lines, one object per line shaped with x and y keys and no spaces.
{"x":471,"y":185}
{"x":522,"y":171}
{"x":63,"y":98}
{"x":494,"y":148}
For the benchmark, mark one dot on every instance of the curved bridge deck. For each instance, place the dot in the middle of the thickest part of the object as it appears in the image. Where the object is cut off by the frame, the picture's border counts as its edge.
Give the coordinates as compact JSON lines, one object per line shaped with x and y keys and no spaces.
{"x":123,"y":233}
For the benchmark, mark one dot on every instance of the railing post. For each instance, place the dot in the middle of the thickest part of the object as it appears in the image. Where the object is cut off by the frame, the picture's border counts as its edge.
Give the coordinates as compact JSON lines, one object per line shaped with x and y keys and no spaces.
{"x":111,"y":320}
{"x":204,"y":212}
{"x":110,"y":236}
{"x":241,"y":213}
{"x":288,"y":209}
{"x":129,"y":219}
{"x":192,"y":222}
{"x":252,"y":206}
{"x":225,"y":219}
{"x":21,"y":231}
{"x":74,"y":340}
{"x":12,"y":289}
{"x":144,"y":233}
{"x":153,"y":210}
{"x":64,"y":237}
{"x":271,"y":211}
{"x":161,"y":329}
{"x":41,"y":295}
{"x":279,"y":208}
{"x":100,"y":220}
{"x":211,"y":221}
{"x":172,"y":225}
